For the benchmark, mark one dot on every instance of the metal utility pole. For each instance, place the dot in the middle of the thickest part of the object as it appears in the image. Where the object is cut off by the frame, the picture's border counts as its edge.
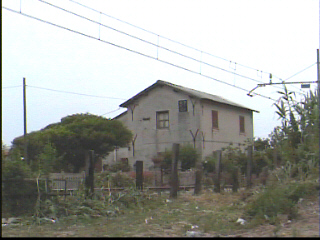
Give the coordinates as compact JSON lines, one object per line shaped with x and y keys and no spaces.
{"x":318,"y":73}
{"x":25,"y":122}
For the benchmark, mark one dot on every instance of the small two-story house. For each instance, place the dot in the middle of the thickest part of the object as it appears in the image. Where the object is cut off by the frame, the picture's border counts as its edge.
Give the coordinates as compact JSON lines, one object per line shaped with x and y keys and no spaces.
{"x":165,"y":113}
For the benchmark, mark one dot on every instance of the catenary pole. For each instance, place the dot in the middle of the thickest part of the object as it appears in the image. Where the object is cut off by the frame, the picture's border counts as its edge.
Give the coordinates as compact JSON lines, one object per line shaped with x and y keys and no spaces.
{"x":25,"y":122}
{"x":318,"y":74}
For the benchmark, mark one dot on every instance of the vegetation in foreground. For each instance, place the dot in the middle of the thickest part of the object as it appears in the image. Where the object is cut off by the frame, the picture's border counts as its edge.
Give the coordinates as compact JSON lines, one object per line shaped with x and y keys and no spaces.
{"x":289,"y":179}
{"x":150,"y":214}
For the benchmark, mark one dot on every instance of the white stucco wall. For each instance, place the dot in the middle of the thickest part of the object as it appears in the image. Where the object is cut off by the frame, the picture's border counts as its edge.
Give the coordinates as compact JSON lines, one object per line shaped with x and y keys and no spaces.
{"x":229,"y":127}
{"x":151,"y":140}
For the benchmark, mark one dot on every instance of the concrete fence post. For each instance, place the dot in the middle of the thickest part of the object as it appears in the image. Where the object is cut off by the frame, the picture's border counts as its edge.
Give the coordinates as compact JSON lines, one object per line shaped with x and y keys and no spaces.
{"x":217,"y":155}
{"x":249,"y":166}
{"x":174,"y":171}
{"x":139,"y":175}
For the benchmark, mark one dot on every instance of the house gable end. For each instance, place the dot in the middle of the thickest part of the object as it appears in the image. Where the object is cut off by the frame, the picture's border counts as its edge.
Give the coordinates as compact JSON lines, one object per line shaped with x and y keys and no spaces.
{"x":191,"y":93}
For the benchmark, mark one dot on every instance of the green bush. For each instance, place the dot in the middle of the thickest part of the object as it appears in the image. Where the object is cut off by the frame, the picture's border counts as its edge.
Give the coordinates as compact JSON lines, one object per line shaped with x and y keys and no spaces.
{"x":166,"y":160}
{"x":233,"y":158}
{"x":188,"y":156}
{"x":301,"y":190}
{"x":121,"y":180}
{"x":119,"y":166}
{"x":209,"y":164}
{"x":18,"y":194}
{"x":113,"y":180}
{"x":280,"y":199}
{"x":270,"y":203}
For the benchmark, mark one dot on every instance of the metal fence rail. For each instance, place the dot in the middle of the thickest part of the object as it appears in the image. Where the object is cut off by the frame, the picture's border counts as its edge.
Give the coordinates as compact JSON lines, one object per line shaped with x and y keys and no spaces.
{"x":66,"y":181}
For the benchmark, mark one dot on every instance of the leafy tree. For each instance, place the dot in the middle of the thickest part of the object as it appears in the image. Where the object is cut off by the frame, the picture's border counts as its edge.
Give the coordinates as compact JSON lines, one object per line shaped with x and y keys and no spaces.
{"x":209,"y":164}
{"x":167,"y":160}
{"x":18,"y":194}
{"x":261,"y":144}
{"x":73,"y":137}
{"x":3,"y":151}
{"x":297,"y":140}
{"x":48,"y":161}
{"x":232,"y":159}
{"x":188,"y":156}
{"x":298,"y":137}
{"x":286,"y":112}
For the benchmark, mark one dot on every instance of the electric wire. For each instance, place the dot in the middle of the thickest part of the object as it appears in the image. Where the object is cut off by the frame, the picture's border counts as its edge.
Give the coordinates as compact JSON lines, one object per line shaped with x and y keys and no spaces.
{"x":111,"y":111}
{"x":82,"y":94}
{"x":12,"y":86}
{"x":300,"y":71}
{"x":133,"y":51}
{"x":158,"y":46}
{"x":174,"y":41}
{"x":148,"y":42}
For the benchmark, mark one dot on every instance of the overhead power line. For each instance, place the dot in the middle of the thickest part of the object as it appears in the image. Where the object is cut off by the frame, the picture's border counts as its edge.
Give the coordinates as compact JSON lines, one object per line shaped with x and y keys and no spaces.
{"x":111,"y":111}
{"x":12,"y":86}
{"x":160,"y":36}
{"x":158,"y":46}
{"x":151,"y":43}
{"x":300,"y":71}
{"x":82,"y":94}
{"x":134,"y":51}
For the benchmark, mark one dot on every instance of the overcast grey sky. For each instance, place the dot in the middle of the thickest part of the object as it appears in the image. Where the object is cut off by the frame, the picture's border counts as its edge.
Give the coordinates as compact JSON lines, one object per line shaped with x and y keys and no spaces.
{"x":250,"y":38}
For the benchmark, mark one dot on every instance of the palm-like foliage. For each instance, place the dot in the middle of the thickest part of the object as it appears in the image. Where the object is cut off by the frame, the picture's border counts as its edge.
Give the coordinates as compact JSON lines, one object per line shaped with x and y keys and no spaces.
{"x":298,"y":137}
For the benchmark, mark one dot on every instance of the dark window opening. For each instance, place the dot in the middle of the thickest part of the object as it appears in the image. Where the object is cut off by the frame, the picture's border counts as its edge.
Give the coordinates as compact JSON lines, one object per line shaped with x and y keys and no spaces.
{"x":183,"y":106}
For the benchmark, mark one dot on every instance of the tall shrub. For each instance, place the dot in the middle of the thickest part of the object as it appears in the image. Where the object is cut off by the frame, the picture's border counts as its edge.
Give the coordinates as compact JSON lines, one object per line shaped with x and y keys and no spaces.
{"x":297,"y":140}
{"x":188,"y":156}
{"x":18,"y":194}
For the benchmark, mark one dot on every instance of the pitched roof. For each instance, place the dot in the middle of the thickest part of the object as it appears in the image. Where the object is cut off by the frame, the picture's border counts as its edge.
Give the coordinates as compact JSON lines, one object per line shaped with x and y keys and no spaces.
{"x":189,"y":91}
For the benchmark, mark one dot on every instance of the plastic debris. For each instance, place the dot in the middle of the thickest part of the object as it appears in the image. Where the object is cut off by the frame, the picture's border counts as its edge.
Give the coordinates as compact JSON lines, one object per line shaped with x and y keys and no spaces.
{"x":193,"y":234}
{"x":194,"y":226}
{"x":146,"y":220}
{"x":241,"y":221}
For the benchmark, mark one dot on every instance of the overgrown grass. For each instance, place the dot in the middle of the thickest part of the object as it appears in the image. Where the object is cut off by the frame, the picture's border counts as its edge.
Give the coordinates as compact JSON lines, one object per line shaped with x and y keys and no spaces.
{"x":145,"y":214}
{"x":149,"y":214}
{"x":280,"y":199}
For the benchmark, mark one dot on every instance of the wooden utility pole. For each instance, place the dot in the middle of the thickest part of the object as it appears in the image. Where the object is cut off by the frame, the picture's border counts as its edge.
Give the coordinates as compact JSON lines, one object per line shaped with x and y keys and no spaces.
{"x":249,"y":165}
{"x":235,"y":179}
{"x":139,"y":175}
{"x":90,"y":177}
{"x":174,"y":171}
{"x":198,"y":179}
{"x":25,"y":122}
{"x":217,"y":155}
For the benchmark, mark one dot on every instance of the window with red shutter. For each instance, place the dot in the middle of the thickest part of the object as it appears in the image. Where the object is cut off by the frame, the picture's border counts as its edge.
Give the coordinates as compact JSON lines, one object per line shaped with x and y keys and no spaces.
{"x":241,"y":122}
{"x":215,"y":123}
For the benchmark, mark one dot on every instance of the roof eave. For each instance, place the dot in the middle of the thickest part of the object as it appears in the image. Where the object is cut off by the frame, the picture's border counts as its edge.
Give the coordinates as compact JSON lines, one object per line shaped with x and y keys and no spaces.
{"x":129,"y":101}
{"x":242,"y":107}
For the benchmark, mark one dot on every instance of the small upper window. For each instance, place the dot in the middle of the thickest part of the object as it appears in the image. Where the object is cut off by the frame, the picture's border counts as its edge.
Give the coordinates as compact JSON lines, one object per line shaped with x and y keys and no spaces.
{"x":241,"y":123}
{"x":163,"y":119}
{"x":215,"y":122}
{"x":183,"y":106}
